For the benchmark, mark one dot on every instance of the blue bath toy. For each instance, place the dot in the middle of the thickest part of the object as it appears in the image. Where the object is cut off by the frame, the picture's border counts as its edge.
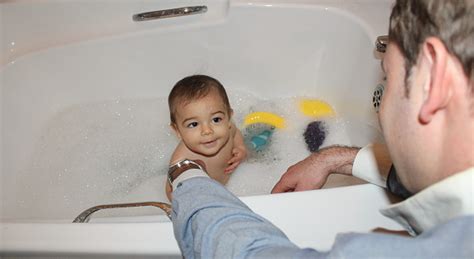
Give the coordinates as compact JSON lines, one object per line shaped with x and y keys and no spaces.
{"x":261,"y":140}
{"x":314,"y":135}
{"x":257,"y":136}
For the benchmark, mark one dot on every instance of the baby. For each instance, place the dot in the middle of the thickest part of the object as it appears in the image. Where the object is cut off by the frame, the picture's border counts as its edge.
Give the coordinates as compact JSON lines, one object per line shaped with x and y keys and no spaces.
{"x":200,"y":116}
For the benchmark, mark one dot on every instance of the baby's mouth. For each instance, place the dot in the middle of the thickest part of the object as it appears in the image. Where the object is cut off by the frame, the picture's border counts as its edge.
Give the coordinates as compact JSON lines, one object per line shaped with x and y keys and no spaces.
{"x":211,"y":143}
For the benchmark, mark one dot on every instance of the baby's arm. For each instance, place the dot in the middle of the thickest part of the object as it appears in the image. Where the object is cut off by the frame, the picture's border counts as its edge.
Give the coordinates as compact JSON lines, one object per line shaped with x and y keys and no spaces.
{"x":178,"y":154}
{"x":239,"y":151}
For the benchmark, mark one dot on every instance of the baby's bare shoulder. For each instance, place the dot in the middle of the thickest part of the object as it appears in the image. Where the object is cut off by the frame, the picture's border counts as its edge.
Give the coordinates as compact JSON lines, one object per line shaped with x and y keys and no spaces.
{"x":182,"y":152}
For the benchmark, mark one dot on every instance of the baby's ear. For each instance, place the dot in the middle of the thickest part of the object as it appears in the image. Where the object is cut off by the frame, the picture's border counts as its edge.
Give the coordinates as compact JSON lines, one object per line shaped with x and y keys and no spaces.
{"x":174,"y":127}
{"x":231,"y":113}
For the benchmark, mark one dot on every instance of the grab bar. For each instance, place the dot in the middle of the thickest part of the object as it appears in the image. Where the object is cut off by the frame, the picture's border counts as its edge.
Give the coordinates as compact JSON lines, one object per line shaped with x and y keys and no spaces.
{"x":381,"y":43}
{"x":85,"y":215}
{"x":161,"y":14}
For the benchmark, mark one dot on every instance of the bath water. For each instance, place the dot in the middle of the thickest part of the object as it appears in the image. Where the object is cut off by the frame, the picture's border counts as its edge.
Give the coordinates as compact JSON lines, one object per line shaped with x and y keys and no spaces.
{"x":118,"y":151}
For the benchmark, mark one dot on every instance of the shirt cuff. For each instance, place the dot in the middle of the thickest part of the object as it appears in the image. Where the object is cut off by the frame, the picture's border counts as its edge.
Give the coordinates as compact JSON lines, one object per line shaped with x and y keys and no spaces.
{"x":188,"y":174}
{"x":372,"y":164}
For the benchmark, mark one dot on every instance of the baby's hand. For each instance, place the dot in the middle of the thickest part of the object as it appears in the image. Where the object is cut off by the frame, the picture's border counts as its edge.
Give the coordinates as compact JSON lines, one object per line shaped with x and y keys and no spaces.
{"x":238,"y":155}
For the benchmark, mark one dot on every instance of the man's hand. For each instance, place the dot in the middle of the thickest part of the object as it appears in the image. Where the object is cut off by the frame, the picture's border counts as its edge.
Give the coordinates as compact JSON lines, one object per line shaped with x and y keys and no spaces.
{"x":238,"y":155}
{"x":312,"y":172}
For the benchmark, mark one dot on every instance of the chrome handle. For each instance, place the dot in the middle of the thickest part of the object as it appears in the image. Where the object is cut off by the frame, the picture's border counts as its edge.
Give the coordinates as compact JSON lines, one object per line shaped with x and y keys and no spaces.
{"x":161,"y":14}
{"x":85,"y":215}
{"x":381,"y":43}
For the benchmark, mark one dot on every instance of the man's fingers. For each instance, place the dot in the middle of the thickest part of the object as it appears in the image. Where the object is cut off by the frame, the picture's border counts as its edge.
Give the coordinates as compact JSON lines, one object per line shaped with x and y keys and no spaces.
{"x":310,"y":184}
{"x":304,"y":187}
{"x":283,"y":186}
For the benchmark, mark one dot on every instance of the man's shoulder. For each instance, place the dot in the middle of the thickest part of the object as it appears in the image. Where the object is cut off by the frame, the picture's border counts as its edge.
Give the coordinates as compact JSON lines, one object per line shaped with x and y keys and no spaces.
{"x":453,"y":238}
{"x":456,"y":227}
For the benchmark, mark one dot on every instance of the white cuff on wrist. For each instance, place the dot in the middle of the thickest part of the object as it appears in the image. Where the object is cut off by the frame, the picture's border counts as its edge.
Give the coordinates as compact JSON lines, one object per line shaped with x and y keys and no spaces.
{"x":188,"y":174}
{"x":371,"y":164}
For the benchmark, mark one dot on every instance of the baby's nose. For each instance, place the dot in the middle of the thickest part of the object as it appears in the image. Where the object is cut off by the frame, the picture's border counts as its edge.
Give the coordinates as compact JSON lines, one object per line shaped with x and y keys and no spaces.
{"x":206,"y":130}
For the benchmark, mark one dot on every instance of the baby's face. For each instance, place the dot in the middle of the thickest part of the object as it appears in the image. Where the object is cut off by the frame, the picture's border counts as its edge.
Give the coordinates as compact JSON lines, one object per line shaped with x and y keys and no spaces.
{"x":204,"y":124}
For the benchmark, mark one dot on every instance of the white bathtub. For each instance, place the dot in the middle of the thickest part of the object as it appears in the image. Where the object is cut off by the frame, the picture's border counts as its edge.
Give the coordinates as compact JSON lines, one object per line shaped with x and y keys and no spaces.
{"x":84,"y":117}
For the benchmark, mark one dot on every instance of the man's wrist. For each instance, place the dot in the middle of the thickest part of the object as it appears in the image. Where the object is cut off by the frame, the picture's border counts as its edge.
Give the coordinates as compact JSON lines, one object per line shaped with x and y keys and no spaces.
{"x":338,"y":159}
{"x":182,"y":167}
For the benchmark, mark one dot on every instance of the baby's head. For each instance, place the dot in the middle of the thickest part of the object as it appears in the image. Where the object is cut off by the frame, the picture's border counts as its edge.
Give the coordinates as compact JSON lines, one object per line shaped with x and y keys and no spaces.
{"x":200,"y":113}
{"x":194,"y":88}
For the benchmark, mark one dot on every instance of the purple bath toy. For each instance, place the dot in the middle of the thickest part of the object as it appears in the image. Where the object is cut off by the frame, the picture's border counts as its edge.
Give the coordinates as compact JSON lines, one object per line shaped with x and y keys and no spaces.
{"x":314,"y":135}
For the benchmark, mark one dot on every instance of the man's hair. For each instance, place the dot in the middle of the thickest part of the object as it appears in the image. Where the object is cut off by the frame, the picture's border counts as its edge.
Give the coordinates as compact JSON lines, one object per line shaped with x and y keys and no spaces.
{"x":452,"y":21}
{"x":193,"y":88}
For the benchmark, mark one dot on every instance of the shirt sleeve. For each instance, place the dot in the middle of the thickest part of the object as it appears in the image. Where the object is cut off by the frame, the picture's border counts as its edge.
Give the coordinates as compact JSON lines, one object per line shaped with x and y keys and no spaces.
{"x":191,"y":173}
{"x":210,"y":222}
{"x":372,"y":164}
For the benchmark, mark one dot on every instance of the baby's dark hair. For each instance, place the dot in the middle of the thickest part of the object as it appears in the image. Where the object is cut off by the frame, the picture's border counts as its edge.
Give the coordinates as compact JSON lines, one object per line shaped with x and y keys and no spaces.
{"x":193,"y":88}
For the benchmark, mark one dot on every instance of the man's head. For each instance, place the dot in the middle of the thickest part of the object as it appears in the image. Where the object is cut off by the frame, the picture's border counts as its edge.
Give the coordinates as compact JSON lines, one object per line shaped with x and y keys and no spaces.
{"x":200,"y":114}
{"x":427,"y":111}
{"x":451,"y":21}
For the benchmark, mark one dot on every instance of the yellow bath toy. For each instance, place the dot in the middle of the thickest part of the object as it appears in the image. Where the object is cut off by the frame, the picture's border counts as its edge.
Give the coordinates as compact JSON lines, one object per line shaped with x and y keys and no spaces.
{"x":316,"y":108}
{"x":265,"y":117}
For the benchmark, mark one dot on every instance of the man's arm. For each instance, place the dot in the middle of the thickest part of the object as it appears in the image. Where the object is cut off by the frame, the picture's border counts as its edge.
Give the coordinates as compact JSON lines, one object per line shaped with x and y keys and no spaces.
{"x":371,"y":163}
{"x":312,"y":172}
{"x":210,"y":222}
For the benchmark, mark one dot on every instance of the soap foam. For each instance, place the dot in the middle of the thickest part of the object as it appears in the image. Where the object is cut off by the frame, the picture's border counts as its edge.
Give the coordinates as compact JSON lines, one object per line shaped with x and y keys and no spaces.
{"x":118,"y":151}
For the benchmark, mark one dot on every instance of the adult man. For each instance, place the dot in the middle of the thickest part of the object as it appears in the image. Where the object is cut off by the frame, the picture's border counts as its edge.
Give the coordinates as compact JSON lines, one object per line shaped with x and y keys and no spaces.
{"x":427,"y":116}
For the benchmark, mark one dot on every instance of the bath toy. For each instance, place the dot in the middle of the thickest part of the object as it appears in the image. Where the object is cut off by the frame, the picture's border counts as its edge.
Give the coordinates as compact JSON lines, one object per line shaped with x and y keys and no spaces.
{"x":314,"y":135}
{"x":265,"y":117}
{"x":260,"y":141}
{"x":316,"y":108}
{"x":257,"y":137}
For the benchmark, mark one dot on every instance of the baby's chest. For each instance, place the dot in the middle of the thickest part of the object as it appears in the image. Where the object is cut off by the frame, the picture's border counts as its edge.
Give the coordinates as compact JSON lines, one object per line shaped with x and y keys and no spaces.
{"x":220,"y":161}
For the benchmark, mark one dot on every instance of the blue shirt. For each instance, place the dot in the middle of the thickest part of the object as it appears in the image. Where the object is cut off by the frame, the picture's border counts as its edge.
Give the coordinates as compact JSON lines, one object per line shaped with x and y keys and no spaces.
{"x":210,"y":222}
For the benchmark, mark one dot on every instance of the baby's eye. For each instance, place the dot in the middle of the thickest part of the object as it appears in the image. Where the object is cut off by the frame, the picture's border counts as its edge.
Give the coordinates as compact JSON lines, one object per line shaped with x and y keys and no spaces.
{"x":216,"y":119}
{"x":192,"y":125}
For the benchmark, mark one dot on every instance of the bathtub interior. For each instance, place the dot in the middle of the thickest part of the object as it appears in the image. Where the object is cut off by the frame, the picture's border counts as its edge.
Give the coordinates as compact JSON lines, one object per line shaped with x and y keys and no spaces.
{"x":86,"y":123}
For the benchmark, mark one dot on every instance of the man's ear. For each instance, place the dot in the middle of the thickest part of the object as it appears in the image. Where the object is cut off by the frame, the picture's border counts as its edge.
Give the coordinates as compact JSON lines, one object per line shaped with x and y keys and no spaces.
{"x":437,"y":89}
{"x":174,"y":127}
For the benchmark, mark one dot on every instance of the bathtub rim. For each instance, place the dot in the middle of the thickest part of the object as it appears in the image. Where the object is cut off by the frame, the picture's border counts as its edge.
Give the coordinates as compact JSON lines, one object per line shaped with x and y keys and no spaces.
{"x":142,"y":239}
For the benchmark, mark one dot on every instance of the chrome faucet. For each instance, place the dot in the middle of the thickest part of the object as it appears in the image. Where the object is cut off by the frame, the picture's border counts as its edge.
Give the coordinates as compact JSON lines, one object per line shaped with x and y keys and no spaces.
{"x":85,"y":215}
{"x":168,"y":13}
{"x":381,"y":43}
